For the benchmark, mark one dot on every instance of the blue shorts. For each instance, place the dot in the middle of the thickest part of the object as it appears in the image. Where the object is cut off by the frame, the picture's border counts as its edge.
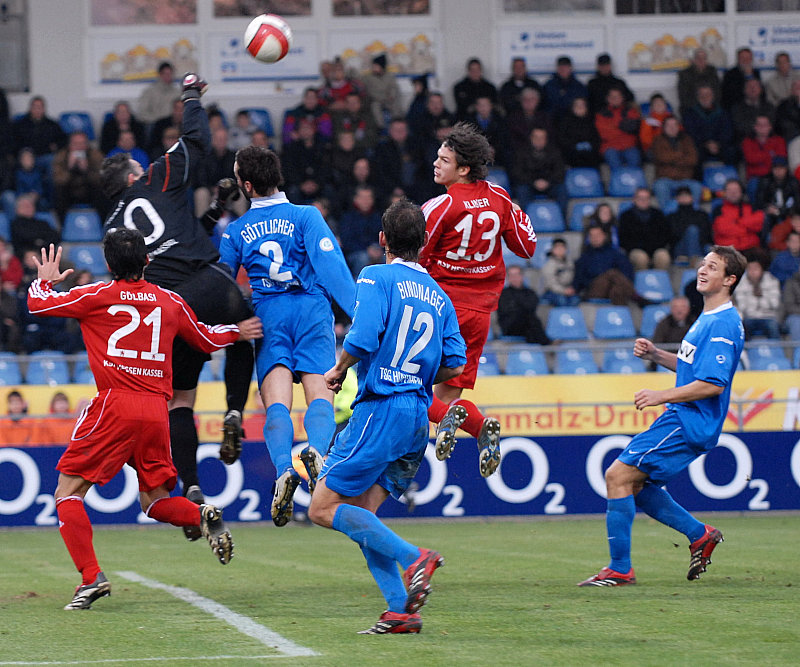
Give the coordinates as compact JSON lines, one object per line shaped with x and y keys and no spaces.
{"x":298,"y":333}
{"x":661,"y":451}
{"x":383,"y":443}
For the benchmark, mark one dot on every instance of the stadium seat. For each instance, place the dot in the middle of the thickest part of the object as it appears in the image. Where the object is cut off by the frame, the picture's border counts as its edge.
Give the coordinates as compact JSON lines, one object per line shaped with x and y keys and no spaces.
{"x":510,"y":259}
{"x":48,"y":217}
{"x":769,"y":364}
{"x":260,"y":117}
{"x":208,"y":374}
{"x":5,"y":226}
{"x":530,"y":361}
{"x":796,"y":358}
{"x":9,"y":203}
{"x":622,"y":360}
{"x":89,"y":257}
{"x":653,"y":285}
{"x":566,"y":323}
{"x":714,"y":176}
{"x":625,"y":180}
{"x":651,"y":316}
{"x":488,"y":365}
{"x":76,"y":121}
{"x":763,"y":352}
{"x":81,"y":373}
{"x":575,"y":361}
{"x":499,"y":176}
{"x":543,"y":245}
{"x":671,"y":207}
{"x":613,"y":322}
{"x":47,"y":367}
{"x":82,"y":225}
{"x":580,"y":210}
{"x":583,"y":182}
{"x":546,"y":216}
{"x":688,"y":275}
{"x":10,"y":373}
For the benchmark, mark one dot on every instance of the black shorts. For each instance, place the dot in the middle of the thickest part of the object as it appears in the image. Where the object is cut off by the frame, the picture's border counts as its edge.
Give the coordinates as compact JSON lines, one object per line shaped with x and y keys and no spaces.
{"x":215,"y":298}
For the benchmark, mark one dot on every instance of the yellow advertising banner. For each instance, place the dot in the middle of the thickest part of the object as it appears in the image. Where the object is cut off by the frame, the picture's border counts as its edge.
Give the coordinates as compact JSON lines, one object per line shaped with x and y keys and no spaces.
{"x":532,"y":405}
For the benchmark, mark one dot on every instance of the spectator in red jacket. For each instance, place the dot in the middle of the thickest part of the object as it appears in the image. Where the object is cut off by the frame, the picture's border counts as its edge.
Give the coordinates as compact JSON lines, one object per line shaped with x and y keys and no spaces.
{"x":618,"y":126}
{"x":736,"y":223}
{"x":758,"y":150}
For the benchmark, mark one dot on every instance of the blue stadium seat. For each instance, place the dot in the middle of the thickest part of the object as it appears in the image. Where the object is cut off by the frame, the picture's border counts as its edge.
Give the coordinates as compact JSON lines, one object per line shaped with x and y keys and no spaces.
{"x":76,"y":121}
{"x":688,"y":276}
{"x":488,"y":365}
{"x":530,"y":361}
{"x":769,"y":364}
{"x":9,"y":203}
{"x":82,"y":374}
{"x":762,"y":352}
{"x":48,"y":217}
{"x":613,"y":322}
{"x":653,"y":284}
{"x":5,"y":227}
{"x":651,"y":316}
{"x":82,"y":225}
{"x":510,"y":259}
{"x":47,"y":367}
{"x":714,"y":176}
{"x":546,"y":216}
{"x":89,"y":257}
{"x":583,"y":182}
{"x":575,"y":361}
{"x":543,"y":245}
{"x":260,"y":117}
{"x":566,"y":323}
{"x":207,"y":374}
{"x":580,"y":210}
{"x":10,"y":373}
{"x":671,"y":207}
{"x":796,"y":358}
{"x":622,"y":360}
{"x":625,"y":180}
{"x":499,"y":176}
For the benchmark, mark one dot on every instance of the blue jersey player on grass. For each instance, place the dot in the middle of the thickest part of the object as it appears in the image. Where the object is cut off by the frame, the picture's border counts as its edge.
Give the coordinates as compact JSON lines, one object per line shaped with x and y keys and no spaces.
{"x":405,"y":338}
{"x":688,"y":428}
{"x":295,"y":268}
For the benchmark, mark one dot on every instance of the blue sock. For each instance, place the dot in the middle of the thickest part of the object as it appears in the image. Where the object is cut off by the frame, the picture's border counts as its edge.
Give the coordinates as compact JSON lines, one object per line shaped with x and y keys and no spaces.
{"x":319,"y":425}
{"x":619,"y":521}
{"x":367,"y":530}
{"x":657,"y":503}
{"x":279,"y":435}
{"x":387,"y":576}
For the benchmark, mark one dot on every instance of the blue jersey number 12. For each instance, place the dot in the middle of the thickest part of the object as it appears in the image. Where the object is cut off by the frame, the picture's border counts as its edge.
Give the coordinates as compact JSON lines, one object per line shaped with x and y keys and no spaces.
{"x":424,"y":319}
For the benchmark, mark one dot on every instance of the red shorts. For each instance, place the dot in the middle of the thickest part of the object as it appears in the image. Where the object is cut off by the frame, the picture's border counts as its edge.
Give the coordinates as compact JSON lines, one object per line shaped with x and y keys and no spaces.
{"x":474,"y":325}
{"x":119,"y":427}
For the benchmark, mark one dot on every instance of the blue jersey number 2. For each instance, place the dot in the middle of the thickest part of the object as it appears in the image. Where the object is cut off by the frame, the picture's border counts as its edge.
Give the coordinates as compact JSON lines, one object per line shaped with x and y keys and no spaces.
{"x":423,"y":319}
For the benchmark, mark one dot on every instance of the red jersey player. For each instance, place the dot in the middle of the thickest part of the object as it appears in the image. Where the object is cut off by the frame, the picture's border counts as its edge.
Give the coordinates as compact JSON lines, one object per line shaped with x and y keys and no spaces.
{"x":129,"y":326}
{"x":465,"y":256}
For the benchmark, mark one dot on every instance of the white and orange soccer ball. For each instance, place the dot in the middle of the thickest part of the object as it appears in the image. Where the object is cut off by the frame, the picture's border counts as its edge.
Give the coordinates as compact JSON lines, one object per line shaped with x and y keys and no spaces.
{"x":268,"y":38}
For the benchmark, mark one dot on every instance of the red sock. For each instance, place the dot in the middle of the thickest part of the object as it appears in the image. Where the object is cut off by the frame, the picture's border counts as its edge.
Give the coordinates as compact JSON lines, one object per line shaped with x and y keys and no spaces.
{"x":437,"y":410}
{"x":178,"y":511}
{"x":76,"y":531}
{"x":474,"y":417}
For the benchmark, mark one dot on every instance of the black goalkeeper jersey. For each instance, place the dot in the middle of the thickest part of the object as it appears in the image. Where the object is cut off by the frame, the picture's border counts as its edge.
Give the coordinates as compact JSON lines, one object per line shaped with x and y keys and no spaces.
{"x":157,"y":205}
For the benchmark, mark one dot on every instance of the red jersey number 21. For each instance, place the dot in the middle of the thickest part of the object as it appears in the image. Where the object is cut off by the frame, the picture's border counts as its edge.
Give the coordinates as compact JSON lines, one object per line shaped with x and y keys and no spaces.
{"x":465,"y":227}
{"x":152,"y":320}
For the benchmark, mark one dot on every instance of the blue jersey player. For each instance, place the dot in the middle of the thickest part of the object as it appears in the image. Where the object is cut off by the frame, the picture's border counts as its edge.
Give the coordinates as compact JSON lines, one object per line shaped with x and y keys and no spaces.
{"x":405,"y":338}
{"x":295,"y":267}
{"x":688,"y":428}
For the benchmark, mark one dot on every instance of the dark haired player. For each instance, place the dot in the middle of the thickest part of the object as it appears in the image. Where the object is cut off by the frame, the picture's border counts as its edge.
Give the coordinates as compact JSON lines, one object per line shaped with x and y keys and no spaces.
{"x":465,"y":256}
{"x":129,"y":326}
{"x":295,"y":268}
{"x":688,"y":428}
{"x":183,"y":259}
{"x":404,"y":338}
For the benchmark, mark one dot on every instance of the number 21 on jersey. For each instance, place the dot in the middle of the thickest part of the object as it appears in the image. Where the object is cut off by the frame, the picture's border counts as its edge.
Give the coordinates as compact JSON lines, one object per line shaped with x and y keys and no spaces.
{"x":152,"y":320}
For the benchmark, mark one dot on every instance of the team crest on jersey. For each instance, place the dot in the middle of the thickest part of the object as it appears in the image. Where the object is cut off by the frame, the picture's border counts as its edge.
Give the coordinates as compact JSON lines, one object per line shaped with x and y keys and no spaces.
{"x":325,"y":244}
{"x":686,"y":352}
{"x":720,"y":358}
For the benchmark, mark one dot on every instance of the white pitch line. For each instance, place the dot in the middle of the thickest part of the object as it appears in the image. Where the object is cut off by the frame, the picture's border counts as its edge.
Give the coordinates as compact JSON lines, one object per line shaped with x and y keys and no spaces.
{"x":247,"y":626}
{"x":196,"y":659}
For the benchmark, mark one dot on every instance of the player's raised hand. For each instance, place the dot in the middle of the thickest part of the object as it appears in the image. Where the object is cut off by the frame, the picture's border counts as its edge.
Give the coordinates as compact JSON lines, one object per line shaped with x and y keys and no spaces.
{"x":644,"y":348}
{"x":647,"y":398}
{"x":334,"y":378}
{"x":250,"y":329}
{"x":49,"y":267}
{"x":193,"y":86}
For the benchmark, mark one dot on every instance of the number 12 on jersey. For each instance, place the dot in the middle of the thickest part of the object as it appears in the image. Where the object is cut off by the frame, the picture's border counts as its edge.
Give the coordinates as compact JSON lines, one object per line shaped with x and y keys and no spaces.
{"x":424,"y":322}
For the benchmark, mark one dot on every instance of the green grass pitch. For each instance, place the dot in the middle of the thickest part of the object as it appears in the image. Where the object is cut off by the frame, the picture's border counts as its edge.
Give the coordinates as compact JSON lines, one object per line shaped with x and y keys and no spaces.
{"x":506,"y":596}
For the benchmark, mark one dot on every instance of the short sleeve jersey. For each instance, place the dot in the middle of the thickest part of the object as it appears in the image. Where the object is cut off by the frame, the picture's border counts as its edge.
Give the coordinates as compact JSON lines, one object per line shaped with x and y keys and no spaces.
{"x":404,"y":329}
{"x":709,"y":352}
{"x":128,"y":328}
{"x":285,"y":247}
{"x":464,"y":252}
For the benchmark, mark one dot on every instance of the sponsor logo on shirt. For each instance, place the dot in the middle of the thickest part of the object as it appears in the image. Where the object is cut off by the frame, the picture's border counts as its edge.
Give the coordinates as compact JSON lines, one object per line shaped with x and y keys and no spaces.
{"x":325,"y":244}
{"x":369,"y":281}
{"x":686,"y":353}
{"x":720,"y":339}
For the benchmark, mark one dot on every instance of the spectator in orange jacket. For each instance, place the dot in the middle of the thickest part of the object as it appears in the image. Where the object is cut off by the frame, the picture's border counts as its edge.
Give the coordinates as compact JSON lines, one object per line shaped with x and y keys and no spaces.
{"x":618,"y":126}
{"x":736,"y":223}
{"x":652,"y":123}
{"x":758,"y":150}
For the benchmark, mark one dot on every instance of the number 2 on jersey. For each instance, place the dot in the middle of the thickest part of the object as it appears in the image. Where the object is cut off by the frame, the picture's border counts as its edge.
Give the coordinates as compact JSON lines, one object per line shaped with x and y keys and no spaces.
{"x":424,"y":319}
{"x":152,"y":320}
{"x":273,"y":251}
{"x":465,"y":227}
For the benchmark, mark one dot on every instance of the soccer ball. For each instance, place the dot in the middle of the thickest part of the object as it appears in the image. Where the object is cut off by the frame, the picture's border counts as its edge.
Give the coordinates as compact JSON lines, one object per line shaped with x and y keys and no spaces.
{"x":268,"y":38}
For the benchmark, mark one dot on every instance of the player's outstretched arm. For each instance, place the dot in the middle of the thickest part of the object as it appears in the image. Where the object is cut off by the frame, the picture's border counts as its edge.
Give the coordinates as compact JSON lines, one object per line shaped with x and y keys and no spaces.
{"x":335,"y":376}
{"x":444,"y":373}
{"x":694,"y":391}
{"x":250,"y":329}
{"x":49,"y":267}
{"x":646,"y":349}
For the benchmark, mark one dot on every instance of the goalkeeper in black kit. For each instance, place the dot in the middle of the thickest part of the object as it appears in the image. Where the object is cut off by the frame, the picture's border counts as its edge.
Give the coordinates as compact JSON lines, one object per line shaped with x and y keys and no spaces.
{"x":184,"y":260}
